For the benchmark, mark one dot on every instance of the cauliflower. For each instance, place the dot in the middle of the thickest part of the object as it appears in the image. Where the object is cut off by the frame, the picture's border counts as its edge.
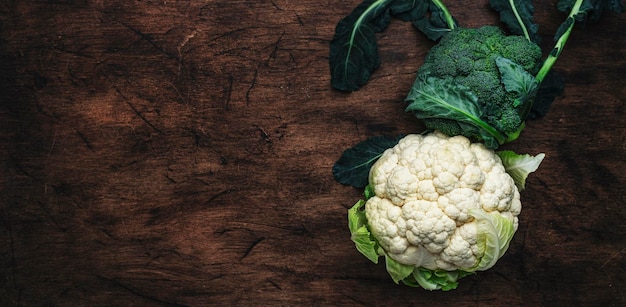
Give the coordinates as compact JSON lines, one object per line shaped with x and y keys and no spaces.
{"x":438,"y":208}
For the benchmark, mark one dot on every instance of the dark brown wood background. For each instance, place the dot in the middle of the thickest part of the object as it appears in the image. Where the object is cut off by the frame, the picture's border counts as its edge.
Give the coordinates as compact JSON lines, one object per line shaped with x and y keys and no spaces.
{"x":159,"y":153}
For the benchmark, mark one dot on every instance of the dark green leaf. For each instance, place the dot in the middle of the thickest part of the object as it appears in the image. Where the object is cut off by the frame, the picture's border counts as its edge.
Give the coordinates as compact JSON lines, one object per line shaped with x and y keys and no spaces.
{"x":409,"y":10}
{"x":434,"y":25}
{"x":517,"y":15}
{"x":446,"y":99}
{"x":425,"y":15}
{"x":591,"y":10}
{"x":442,"y":98}
{"x":354,"y":165}
{"x":353,"y":49}
{"x":517,"y":80}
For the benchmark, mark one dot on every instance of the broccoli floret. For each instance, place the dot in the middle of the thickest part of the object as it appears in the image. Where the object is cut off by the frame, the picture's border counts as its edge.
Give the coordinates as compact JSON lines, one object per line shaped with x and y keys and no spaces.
{"x":464,"y":62}
{"x":451,"y":127}
{"x":519,"y":50}
{"x":505,"y":119}
{"x":447,"y":126}
{"x":486,"y":85}
{"x":468,"y":56}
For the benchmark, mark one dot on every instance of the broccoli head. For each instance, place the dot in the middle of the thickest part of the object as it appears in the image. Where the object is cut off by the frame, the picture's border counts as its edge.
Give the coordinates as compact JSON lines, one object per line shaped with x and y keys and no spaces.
{"x":468,"y":57}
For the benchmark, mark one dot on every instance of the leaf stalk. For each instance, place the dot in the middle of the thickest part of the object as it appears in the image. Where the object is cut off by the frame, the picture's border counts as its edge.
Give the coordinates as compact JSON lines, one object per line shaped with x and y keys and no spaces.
{"x":560,"y":43}
{"x":449,"y":19}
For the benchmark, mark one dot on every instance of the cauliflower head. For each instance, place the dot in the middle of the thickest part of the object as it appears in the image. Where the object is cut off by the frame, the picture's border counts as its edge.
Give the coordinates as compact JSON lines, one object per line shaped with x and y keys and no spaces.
{"x":438,"y":208}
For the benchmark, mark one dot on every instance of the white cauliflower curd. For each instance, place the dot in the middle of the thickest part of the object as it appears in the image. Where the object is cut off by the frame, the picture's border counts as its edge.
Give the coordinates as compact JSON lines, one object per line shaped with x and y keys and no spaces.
{"x":426,"y":189}
{"x":438,"y":208}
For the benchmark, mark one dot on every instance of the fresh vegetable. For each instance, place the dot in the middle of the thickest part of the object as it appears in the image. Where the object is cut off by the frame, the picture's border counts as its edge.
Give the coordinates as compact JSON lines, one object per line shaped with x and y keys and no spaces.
{"x":354,"y":166}
{"x":438,"y":207}
{"x":477,"y":83}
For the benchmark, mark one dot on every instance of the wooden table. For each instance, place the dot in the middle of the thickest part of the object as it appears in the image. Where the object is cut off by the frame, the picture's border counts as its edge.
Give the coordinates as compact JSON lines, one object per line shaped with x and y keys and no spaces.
{"x":178,"y":153}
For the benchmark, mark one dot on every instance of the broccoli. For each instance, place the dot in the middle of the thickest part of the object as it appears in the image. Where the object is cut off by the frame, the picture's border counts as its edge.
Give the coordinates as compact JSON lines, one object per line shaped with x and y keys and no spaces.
{"x":468,"y":57}
{"x":480,"y":83}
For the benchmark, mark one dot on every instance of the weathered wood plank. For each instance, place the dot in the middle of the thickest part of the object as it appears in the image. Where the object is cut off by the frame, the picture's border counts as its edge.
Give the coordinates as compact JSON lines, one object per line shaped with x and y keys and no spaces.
{"x":179,"y":153}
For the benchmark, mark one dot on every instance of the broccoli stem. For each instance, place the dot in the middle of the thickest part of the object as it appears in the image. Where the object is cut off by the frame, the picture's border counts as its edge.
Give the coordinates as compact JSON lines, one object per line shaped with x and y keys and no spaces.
{"x":449,"y":19}
{"x":560,"y":43}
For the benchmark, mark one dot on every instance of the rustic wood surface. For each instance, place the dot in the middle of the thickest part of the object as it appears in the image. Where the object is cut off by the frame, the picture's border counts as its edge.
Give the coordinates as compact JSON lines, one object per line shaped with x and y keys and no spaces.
{"x":178,"y":153}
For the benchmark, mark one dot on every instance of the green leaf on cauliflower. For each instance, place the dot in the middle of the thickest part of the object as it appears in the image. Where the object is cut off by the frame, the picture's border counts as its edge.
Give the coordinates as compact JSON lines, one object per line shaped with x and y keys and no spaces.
{"x":397,"y":270}
{"x":369,"y":192}
{"x":438,"y":279}
{"x":519,"y":166}
{"x":425,"y":279}
{"x":360,"y":234}
{"x":494,"y":233}
{"x":354,"y":165}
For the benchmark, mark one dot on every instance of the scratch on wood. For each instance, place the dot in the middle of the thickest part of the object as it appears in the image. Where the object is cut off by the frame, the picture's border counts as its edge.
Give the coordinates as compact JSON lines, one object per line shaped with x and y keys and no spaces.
{"x":84,"y":138}
{"x":292,"y":58}
{"x":214,"y":197}
{"x":138,"y":113}
{"x":170,"y":179}
{"x":251,"y":247}
{"x":613,"y":257}
{"x":256,"y":73}
{"x":148,"y":38}
{"x":119,"y":92}
{"x":184,"y":42}
{"x":229,"y":91}
{"x":299,"y":19}
{"x":78,"y":52}
{"x":276,"y":6}
{"x":180,"y":95}
{"x":264,"y":135}
{"x":54,"y":141}
{"x":229,"y":33}
{"x":135,"y":292}
{"x":272,"y":55}
{"x":273,"y":283}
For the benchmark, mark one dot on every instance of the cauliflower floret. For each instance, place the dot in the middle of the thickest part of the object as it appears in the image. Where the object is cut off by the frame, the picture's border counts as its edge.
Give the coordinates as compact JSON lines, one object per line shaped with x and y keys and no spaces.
{"x":427,"y":225}
{"x":462,"y":251}
{"x":427,"y":190}
{"x":390,"y":224}
{"x":401,"y":185}
{"x":459,"y":202}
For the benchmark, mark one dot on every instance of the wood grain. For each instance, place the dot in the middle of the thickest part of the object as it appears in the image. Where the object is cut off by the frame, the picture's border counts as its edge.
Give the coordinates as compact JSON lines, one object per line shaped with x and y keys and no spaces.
{"x":178,"y":153}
